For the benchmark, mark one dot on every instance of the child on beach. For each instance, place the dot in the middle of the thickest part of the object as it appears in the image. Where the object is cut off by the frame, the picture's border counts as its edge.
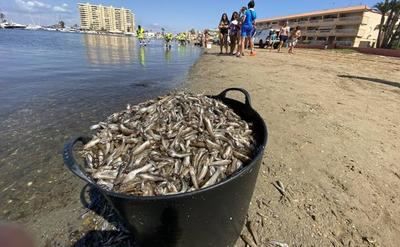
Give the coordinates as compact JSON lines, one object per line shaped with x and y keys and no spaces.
{"x":234,"y":31}
{"x":294,"y":38}
{"x":283,"y":35}
{"x":247,"y":29}
{"x":223,"y":32}
{"x":272,"y":38}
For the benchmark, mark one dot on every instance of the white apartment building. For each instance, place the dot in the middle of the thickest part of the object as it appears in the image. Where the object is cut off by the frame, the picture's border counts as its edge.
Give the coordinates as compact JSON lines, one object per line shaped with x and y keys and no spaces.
{"x":355,"y":26}
{"x":106,"y":18}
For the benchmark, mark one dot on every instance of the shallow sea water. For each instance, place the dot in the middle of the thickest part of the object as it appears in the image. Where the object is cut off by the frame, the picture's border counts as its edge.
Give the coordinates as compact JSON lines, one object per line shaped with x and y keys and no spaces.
{"x":53,"y":86}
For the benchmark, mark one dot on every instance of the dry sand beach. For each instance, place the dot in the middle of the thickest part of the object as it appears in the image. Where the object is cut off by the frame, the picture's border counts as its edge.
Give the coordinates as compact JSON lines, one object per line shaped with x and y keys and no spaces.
{"x":333,"y":119}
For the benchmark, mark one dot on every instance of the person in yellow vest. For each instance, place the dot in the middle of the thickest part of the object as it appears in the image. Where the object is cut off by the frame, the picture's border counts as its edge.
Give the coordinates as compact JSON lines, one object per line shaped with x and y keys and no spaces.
{"x":140,"y":35}
{"x":168,"y":38}
{"x":182,"y":39}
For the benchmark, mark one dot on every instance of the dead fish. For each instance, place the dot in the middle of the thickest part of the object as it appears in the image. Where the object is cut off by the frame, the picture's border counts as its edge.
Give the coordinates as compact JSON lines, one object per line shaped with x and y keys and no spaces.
{"x":105,"y":175}
{"x":203,"y":171}
{"x":174,"y":154}
{"x":133,"y":173}
{"x":91,"y":144}
{"x":212,"y":145}
{"x":241,"y":156}
{"x":221,"y":163}
{"x":124,"y":130}
{"x":193,"y":177}
{"x":212,"y":180}
{"x":141,"y":148}
{"x":208,"y":126}
{"x":151,"y":177}
{"x":175,"y":144}
{"x":228,"y":152}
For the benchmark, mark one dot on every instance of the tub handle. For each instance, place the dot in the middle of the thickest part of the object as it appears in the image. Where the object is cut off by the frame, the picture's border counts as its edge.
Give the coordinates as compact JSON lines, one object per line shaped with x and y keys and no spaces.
{"x":246,"y":94}
{"x":70,"y":161}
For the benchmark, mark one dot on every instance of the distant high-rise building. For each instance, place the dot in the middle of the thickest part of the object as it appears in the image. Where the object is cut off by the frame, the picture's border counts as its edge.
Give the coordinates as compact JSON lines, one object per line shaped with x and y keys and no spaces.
{"x":104,"y":18}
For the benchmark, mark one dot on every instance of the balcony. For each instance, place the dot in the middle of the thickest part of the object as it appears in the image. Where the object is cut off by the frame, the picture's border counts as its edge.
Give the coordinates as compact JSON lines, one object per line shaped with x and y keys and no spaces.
{"x":350,"y":20}
{"x":322,"y":33}
{"x":330,"y":20}
{"x":315,"y":21}
{"x":317,"y":42}
{"x":346,"y":32}
{"x":310,"y":32}
{"x":325,"y":32}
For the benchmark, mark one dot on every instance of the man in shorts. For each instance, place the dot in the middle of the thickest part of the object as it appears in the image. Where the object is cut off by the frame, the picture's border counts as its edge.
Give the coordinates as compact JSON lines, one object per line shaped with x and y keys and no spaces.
{"x":283,"y":35}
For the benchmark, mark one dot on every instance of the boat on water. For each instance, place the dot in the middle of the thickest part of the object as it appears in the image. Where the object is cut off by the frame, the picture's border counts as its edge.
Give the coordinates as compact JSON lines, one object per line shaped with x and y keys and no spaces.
{"x":33,"y":27}
{"x":12,"y":25}
{"x":50,"y":29}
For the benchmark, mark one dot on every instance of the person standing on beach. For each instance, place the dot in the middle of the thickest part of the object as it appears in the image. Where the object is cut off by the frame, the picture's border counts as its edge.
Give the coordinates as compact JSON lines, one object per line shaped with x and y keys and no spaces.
{"x":223,"y":32}
{"x":247,"y":28}
{"x":205,"y":38}
{"x":294,"y":38}
{"x":234,"y":30}
{"x":242,"y":15}
{"x":283,"y":35}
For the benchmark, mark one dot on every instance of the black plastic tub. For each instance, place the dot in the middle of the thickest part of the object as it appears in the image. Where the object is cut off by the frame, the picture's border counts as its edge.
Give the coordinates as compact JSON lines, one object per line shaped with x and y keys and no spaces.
{"x":213,"y":216}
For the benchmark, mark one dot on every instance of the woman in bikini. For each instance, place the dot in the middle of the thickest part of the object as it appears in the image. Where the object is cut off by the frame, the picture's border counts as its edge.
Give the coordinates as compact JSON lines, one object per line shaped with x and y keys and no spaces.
{"x":223,"y":32}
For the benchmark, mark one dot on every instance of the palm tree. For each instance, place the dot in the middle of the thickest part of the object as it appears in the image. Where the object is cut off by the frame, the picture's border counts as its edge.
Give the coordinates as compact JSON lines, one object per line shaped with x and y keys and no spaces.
{"x":390,"y":10}
{"x":61,"y":24}
{"x":383,"y":8}
{"x":393,"y":19}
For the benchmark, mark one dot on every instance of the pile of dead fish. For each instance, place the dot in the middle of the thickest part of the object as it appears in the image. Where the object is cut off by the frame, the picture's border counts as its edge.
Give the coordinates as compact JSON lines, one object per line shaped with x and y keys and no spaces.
{"x":177,"y":143}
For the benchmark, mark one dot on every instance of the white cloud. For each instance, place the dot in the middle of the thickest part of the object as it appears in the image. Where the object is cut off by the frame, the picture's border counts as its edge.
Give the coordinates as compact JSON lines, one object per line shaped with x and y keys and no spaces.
{"x":60,"y":9}
{"x":32,"y":5}
{"x":37,"y":6}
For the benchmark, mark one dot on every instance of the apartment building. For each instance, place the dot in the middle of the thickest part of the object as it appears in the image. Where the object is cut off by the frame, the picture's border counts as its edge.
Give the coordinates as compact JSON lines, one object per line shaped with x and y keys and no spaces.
{"x":355,"y":26}
{"x":106,"y":18}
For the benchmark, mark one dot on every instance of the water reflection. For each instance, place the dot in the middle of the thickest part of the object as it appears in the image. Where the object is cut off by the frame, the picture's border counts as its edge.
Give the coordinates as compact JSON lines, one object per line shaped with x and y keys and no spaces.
{"x":142,"y":56}
{"x":168,"y":55}
{"x":107,"y":49}
{"x":182,"y":50}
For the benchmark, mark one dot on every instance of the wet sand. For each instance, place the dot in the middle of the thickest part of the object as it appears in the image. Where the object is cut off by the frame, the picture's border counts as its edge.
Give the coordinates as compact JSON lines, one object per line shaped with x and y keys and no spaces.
{"x":333,"y":119}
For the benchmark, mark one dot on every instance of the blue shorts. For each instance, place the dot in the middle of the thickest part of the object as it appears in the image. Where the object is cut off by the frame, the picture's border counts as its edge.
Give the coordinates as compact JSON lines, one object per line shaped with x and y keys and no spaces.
{"x":253,"y":32}
{"x":283,"y":38}
{"x":247,"y":31}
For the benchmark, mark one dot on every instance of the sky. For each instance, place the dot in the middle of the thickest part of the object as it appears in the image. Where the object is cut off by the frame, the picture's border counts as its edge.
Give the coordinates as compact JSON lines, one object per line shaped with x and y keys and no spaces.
{"x":173,"y":15}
